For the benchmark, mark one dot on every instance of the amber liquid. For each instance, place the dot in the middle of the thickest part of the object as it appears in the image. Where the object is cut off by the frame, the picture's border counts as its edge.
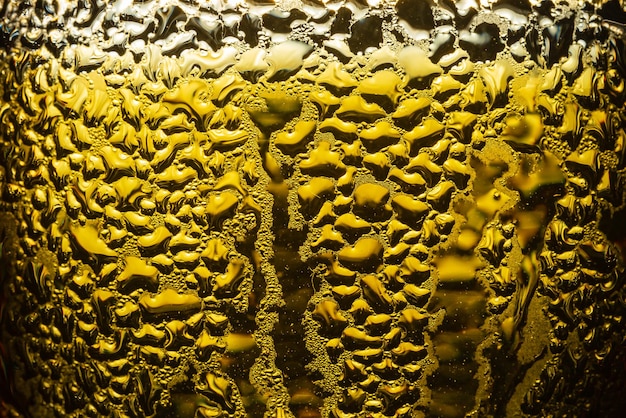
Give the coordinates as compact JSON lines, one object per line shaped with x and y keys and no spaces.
{"x":407,"y":221}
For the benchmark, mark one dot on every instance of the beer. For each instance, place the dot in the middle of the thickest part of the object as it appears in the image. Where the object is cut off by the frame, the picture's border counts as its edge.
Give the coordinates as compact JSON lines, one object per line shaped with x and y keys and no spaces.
{"x":347,"y":208}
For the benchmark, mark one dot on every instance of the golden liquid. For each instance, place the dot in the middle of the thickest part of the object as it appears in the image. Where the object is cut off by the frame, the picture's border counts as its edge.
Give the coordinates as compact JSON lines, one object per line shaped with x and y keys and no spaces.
{"x":413,"y":230}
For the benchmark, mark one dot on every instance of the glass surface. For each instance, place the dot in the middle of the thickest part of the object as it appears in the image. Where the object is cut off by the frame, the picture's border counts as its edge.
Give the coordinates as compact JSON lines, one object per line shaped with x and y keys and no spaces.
{"x":406,"y":208}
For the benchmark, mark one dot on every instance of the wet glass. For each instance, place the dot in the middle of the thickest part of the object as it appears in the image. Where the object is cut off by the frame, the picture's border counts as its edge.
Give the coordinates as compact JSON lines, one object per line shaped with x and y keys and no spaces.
{"x":408,"y":208}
